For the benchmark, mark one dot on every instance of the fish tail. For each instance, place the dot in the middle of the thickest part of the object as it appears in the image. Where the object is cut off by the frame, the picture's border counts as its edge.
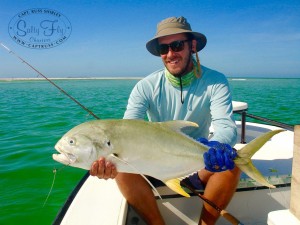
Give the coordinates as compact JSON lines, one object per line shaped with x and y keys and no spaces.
{"x":244,"y":162}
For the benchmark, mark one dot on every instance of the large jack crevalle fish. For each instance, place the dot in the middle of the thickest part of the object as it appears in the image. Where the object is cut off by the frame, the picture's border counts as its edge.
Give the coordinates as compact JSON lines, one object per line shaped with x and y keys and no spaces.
{"x":159,"y":149}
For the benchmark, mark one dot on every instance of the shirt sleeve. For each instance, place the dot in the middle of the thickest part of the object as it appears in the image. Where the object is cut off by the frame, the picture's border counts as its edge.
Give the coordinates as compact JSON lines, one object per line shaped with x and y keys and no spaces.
{"x":137,"y":103}
{"x":225,"y":130}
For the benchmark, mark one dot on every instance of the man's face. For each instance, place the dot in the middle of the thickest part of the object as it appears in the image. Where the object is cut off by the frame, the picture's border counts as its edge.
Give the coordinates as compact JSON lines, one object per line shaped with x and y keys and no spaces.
{"x":178,"y":63}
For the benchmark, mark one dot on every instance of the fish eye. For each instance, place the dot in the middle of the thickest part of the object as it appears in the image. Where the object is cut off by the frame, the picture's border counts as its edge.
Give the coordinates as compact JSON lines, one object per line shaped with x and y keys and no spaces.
{"x":108,"y":144}
{"x":72,"y":141}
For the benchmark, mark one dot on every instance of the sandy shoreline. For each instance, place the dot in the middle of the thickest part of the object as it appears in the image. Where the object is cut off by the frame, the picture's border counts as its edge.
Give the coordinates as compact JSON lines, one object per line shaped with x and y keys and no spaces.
{"x":69,"y":78}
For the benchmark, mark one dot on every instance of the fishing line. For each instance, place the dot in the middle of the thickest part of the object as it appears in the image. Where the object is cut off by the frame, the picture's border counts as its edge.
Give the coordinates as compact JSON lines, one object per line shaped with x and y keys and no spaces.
{"x":115,"y":156}
{"x":54,"y":84}
{"x":54,"y":177}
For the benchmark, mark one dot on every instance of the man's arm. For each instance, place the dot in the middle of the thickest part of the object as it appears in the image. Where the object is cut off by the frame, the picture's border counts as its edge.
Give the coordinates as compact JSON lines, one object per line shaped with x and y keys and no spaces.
{"x":225,"y":130}
{"x":137,"y":105}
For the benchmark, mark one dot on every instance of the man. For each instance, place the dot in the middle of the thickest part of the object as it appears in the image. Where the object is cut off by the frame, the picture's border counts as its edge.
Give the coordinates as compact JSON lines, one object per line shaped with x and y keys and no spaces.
{"x":183,"y":90}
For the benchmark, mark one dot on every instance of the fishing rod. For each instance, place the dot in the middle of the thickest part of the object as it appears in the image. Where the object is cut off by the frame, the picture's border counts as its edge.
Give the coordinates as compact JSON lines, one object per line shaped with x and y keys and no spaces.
{"x":60,"y":89}
{"x":222,"y":212}
{"x":54,"y":84}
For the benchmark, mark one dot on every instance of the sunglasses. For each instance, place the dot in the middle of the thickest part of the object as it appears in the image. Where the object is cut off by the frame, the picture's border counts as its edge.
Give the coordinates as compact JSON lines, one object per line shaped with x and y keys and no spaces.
{"x":176,"y":46}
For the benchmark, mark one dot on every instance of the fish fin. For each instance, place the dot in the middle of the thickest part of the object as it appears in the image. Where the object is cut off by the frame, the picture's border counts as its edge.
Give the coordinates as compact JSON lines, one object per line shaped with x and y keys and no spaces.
{"x":254,"y":173}
{"x":243,"y":160}
{"x":252,"y":147}
{"x":174,"y":184}
{"x":182,"y":126}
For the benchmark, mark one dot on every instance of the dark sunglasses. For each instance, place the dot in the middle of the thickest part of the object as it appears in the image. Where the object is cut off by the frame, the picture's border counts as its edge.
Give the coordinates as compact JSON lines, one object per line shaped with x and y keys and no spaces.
{"x":176,"y":46}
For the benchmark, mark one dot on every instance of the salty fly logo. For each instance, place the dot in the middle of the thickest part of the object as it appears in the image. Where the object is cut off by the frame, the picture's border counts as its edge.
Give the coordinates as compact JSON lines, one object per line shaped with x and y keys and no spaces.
{"x":39,"y":28}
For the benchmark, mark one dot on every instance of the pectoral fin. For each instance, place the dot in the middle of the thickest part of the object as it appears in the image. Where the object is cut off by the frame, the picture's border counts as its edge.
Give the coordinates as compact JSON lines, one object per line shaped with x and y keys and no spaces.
{"x":174,"y":184}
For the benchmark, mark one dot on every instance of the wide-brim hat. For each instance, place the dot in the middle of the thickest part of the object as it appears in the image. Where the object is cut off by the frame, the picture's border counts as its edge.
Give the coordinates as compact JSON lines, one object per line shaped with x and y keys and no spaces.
{"x":171,"y":26}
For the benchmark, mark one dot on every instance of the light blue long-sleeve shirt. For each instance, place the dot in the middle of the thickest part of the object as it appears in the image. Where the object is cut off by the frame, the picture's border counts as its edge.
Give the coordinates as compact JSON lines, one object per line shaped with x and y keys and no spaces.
{"x":206,"y":101}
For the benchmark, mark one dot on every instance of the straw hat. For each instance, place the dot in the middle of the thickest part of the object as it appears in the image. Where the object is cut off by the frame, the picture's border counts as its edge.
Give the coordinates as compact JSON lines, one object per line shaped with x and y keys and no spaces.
{"x":171,"y":26}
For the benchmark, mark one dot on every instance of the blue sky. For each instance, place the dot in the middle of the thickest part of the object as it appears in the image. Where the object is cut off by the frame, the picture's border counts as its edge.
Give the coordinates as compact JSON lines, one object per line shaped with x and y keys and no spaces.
{"x":245,"y":38}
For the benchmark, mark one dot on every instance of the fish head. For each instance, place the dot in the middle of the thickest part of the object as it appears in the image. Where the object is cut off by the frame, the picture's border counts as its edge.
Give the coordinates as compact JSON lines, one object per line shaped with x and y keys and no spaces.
{"x":81,"y":147}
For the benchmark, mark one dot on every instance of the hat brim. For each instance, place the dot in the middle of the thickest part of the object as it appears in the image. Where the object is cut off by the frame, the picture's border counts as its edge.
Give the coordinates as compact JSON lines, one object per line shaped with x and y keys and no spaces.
{"x":152,"y":45}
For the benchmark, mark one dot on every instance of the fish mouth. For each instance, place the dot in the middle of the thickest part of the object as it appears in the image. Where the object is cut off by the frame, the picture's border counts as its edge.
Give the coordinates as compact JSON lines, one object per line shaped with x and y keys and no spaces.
{"x":64,"y":157}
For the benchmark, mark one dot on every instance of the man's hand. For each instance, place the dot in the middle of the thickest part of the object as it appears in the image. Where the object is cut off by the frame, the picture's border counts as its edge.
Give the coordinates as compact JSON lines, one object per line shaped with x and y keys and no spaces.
{"x":103,"y":170}
{"x":219,"y":157}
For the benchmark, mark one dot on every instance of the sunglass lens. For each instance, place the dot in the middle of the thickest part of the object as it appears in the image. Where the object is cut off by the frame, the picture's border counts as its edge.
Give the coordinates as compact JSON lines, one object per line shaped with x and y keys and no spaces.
{"x":163,"y":49}
{"x":176,"y":46}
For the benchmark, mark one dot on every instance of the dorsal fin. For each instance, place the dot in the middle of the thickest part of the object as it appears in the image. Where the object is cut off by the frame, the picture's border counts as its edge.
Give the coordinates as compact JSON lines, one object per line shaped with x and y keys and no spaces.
{"x":183,"y":126}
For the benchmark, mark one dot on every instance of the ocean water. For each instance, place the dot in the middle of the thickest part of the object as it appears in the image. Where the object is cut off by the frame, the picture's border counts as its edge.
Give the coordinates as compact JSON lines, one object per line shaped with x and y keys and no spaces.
{"x":34,"y":115}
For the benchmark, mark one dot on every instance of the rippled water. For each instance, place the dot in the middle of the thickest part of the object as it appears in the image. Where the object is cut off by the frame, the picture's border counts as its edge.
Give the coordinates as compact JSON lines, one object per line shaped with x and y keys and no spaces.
{"x":34,"y":115}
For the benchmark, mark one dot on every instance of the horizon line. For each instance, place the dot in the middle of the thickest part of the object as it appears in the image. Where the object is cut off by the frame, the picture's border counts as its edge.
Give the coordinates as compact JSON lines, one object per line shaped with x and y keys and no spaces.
{"x":129,"y":78}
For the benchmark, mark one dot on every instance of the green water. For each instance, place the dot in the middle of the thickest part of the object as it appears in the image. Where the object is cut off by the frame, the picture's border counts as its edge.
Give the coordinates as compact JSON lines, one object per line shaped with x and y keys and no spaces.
{"x":34,"y":115}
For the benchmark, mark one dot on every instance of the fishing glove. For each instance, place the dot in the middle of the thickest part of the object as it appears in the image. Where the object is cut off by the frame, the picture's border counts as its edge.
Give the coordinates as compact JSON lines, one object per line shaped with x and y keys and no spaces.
{"x":219,"y":157}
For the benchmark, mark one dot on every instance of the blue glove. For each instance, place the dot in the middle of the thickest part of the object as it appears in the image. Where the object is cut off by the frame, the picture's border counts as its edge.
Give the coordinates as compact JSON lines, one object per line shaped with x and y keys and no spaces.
{"x":219,"y":157}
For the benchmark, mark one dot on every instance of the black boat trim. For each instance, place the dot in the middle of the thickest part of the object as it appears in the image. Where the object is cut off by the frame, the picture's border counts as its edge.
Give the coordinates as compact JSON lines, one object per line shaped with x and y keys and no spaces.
{"x":171,"y":196}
